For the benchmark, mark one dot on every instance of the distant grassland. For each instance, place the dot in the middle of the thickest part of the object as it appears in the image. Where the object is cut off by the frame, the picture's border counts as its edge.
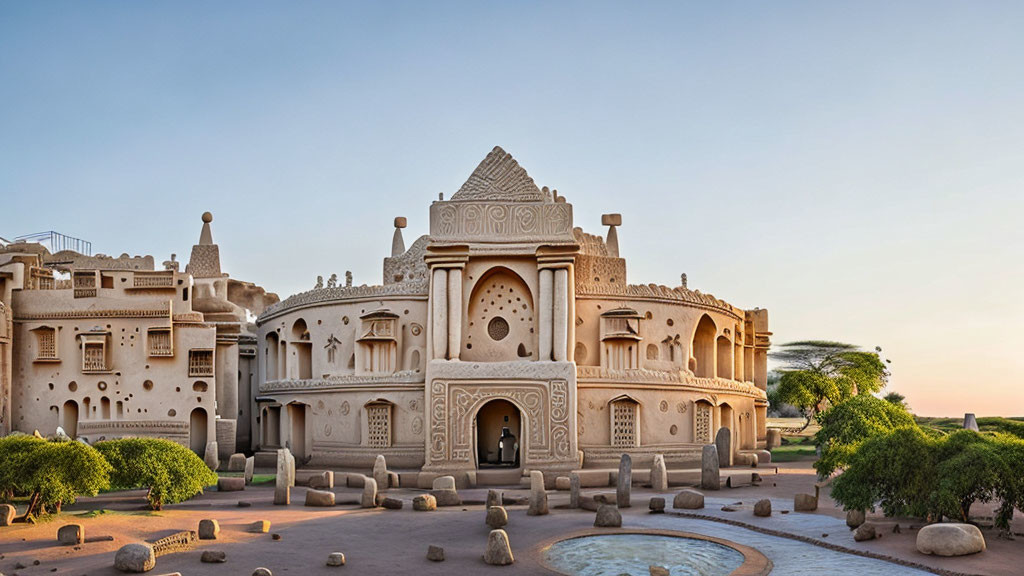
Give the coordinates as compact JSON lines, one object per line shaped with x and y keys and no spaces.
{"x":1014,"y":425}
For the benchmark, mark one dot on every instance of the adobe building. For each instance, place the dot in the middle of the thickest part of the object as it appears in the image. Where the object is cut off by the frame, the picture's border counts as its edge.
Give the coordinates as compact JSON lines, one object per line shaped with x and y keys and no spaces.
{"x":507,"y":337}
{"x":107,"y":347}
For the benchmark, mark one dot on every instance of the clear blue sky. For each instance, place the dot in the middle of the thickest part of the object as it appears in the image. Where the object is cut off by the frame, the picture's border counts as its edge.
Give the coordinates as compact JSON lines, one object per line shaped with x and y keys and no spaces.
{"x":857,"y":168}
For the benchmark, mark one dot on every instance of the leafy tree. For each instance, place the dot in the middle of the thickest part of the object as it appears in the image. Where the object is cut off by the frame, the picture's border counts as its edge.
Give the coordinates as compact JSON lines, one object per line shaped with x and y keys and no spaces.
{"x":968,"y":469}
{"x":817,"y":373}
{"x":846,"y":425}
{"x":50,"y":473}
{"x":895,"y":470}
{"x":171,"y":472}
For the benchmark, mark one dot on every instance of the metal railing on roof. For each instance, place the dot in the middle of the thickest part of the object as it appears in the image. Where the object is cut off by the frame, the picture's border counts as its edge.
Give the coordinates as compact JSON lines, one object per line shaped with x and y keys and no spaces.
{"x":58,"y":242}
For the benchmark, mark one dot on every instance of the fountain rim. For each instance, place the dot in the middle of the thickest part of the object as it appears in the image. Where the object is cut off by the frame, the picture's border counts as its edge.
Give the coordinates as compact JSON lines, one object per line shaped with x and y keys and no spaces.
{"x":755,"y":563}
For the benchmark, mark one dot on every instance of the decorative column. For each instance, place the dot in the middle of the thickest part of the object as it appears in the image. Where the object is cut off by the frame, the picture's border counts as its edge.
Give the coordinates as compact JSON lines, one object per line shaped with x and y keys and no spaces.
{"x":545,"y":313}
{"x":560,"y":309}
{"x":439,"y":313}
{"x":454,"y":312}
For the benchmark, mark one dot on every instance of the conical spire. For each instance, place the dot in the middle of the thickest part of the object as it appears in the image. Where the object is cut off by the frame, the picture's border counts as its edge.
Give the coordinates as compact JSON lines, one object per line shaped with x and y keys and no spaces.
{"x":205,"y":259}
{"x":206,"y":236}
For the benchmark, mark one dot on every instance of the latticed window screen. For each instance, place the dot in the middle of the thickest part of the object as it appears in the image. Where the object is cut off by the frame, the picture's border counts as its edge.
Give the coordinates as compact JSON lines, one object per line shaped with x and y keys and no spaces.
{"x":379,"y":420}
{"x":200,"y":362}
{"x":47,"y":338}
{"x":624,"y":424}
{"x":159,"y":343}
{"x":93,"y":357}
{"x":702,"y":434}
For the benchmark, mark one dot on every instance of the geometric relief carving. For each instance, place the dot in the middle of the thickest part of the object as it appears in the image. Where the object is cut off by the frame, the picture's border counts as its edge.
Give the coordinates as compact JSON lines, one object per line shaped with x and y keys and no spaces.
{"x":483,"y":221}
{"x":544,"y":408}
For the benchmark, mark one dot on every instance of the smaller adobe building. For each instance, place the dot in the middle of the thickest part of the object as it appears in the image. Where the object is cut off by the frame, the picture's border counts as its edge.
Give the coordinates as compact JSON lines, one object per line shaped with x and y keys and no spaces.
{"x":507,"y":326}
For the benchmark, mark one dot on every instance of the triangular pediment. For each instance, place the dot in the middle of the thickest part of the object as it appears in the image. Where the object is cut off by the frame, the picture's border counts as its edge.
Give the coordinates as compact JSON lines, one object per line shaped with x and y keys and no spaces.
{"x":500,"y":178}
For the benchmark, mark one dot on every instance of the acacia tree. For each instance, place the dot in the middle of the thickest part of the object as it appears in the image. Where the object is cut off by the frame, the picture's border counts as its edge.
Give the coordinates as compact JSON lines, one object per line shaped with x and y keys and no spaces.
{"x":847,"y":425}
{"x":817,"y":373}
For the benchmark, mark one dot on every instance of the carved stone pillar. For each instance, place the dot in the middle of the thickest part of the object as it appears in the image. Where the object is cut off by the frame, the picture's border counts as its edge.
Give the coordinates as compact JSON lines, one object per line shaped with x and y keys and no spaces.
{"x":545,"y":313}
{"x":560,"y":310}
{"x":454,"y":312}
{"x":439,"y":313}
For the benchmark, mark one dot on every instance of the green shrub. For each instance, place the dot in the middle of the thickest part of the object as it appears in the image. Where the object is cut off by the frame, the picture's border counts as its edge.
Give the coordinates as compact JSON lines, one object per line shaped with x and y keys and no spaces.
{"x":171,"y":472}
{"x":909,"y":473}
{"x":847,"y":424}
{"x":51,"y":474}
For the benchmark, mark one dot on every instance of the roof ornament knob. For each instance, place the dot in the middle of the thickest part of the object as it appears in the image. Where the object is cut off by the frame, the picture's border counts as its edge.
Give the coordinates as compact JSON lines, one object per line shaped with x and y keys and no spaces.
{"x":397,"y":242}
{"x":612,"y":221}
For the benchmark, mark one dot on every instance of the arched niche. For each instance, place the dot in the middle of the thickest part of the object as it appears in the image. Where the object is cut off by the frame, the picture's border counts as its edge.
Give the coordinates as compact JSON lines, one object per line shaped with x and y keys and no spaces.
{"x":500,"y":321}
{"x":724,"y":352}
{"x":703,"y":364}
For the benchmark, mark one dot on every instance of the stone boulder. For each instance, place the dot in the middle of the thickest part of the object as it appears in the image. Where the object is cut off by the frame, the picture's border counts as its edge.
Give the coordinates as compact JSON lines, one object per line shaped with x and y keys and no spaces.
{"x":392,"y":504}
{"x":763,"y":508}
{"x":657,"y":505}
{"x":260,"y":526}
{"x":424,"y":503}
{"x":209,"y":529}
{"x":71,"y":534}
{"x":854,"y":518}
{"x":805,"y":503}
{"x":493,"y":498}
{"x":322,"y":481}
{"x":7,"y":513}
{"x":230,"y":484}
{"x":136,"y":557}
{"x":865,"y":531}
{"x":213,"y":557}
{"x":497,"y":517}
{"x":335,"y":559}
{"x":498,"y":552}
{"x":319,"y":498}
{"x":657,"y":570}
{"x":447,"y":497}
{"x":688,"y":500}
{"x":608,"y":516}
{"x":261,"y":571}
{"x":236,"y":462}
{"x":444,"y":483}
{"x":949,"y":539}
{"x":435,"y":553}
{"x":562,"y":484}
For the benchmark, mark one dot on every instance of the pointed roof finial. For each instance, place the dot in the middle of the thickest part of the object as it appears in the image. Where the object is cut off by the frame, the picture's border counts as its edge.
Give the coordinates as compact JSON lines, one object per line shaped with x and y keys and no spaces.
{"x":206,"y":236}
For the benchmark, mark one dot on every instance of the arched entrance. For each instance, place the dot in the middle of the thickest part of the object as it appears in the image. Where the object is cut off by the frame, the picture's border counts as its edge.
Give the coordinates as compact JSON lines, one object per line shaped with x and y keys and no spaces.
{"x":197,"y":432}
{"x":703,"y":348}
{"x":499,"y":434}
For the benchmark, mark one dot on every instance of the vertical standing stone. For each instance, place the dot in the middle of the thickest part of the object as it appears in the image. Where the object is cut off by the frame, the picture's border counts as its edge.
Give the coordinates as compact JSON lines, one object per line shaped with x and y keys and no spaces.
{"x":659,"y":474}
{"x":369,"y":499}
{"x":538,"y":495}
{"x":210,"y":457}
{"x":710,"y":478}
{"x":250,"y":465}
{"x":723,"y":442}
{"x":622,"y":490}
{"x":970,"y":422}
{"x":380,"y":472}
{"x":284,"y":478}
{"x":574,"y":490}
{"x":773,"y":438}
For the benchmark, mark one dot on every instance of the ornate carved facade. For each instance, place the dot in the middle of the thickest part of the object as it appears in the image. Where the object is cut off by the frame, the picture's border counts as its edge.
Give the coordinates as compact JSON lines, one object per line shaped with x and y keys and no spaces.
{"x":506,"y":319}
